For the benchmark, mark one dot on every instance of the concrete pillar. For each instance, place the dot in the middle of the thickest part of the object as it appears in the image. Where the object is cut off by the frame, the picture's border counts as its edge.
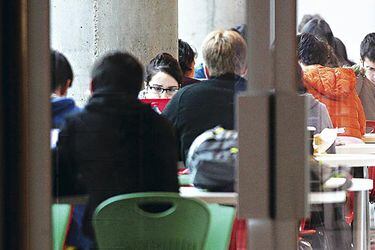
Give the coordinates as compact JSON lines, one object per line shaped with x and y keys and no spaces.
{"x":197,"y":18}
{"x":86,"y":29}
{"x":72,"y":33}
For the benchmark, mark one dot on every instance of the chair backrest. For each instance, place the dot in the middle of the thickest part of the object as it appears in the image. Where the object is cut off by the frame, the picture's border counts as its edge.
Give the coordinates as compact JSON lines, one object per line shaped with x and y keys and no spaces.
{"x":61,"y":214}
{"x":219,"y":234}
{"x":151,"y":221}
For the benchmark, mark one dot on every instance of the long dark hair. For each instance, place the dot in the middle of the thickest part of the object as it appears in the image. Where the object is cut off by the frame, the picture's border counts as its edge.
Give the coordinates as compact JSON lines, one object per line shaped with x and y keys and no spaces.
{"x":310,"y":50}
{"x":321,"y":29}
{"x":166,"y":63}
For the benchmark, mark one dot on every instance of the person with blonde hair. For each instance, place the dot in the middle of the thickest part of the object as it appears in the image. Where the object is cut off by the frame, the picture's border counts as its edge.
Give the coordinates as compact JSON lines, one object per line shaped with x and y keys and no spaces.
{"x":224,"y":52}
{"x":199,"y":107}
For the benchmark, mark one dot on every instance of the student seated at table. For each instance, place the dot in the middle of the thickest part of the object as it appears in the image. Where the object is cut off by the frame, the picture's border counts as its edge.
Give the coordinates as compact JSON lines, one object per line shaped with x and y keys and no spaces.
{"x":199,"y":107}
{"x":163,"y":78}
{"x":62,"y":79}
{"x":116,"y":145}
{"x":335,"y":87}
{"x":366,"y":86}
{"x":366,"y":77}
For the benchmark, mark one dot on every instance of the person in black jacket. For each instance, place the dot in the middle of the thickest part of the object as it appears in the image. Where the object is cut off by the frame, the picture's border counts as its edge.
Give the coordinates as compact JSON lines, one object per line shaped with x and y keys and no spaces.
{"x":199,"y":107}
{"x":116,"y":145}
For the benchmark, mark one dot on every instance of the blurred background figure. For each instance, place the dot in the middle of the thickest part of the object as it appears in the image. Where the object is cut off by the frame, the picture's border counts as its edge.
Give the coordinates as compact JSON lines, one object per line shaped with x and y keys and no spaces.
{"x":368,"y":56}
{"x":62,"y":79}
{"x":366,"y":76}
{"x":186,"y":59}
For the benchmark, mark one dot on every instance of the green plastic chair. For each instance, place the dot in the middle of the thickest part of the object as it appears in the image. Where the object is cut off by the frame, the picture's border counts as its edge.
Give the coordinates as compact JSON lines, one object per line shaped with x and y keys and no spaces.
{"x":126,"y":222}
{"x":221,"y":226}
{"x":60,"y":221}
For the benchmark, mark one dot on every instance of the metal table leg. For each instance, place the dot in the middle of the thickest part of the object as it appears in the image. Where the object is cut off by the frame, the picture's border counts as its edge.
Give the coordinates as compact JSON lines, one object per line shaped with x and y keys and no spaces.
{"x":361,"y":225}
{"x":367,"y":203}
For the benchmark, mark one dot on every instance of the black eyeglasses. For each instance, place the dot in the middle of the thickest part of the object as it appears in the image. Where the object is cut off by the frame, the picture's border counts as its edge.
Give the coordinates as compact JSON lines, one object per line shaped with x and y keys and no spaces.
{"x":161,"y":90}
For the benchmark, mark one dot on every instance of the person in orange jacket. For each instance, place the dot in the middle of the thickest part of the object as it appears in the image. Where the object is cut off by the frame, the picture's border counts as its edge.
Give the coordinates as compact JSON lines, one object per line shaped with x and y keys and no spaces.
{"x":335,"y":87}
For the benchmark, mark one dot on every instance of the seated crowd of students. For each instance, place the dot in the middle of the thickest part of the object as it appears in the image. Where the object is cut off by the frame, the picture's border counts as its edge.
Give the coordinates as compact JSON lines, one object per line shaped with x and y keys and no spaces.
{"x":116,"y":144}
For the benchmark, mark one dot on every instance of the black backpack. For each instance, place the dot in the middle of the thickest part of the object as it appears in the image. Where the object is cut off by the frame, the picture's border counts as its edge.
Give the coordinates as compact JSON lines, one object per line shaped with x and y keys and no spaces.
{"x":212,"y":160}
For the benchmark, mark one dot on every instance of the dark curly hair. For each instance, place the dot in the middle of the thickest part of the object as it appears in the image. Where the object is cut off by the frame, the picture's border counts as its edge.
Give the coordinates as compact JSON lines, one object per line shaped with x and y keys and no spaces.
{"x":186,"y":56}
{"x":311,"y":50}
{"x":368,"y":47}
{"x":166,"y":63}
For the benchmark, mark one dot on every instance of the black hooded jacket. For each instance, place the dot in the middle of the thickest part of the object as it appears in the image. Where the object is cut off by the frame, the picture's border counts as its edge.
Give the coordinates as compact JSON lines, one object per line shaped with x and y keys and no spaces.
{"x":197,"y":108}
{"x":115,"y":146}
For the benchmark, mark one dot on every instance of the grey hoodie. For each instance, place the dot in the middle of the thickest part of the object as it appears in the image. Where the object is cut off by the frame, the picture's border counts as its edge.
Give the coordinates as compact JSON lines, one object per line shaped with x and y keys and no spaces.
{"x":318,"y":116}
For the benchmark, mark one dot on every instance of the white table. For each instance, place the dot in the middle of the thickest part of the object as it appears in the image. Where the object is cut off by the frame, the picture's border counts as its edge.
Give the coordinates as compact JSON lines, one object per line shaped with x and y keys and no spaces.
{"x":219,"y":197}
{"x":347,"y":160}
{"x":358,"y":184}
{"x":356,"y":149}
{"x":369,"y":138}
{"x":224,"y":198}
{"x":190,"y":192}
{"x":232,"y":198}
{"x":361,"y":199}
{"x":327,"y":197}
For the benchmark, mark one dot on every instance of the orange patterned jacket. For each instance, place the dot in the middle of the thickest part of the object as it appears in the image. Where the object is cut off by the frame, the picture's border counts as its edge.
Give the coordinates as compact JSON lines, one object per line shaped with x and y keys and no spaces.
{"x":335,"y":87}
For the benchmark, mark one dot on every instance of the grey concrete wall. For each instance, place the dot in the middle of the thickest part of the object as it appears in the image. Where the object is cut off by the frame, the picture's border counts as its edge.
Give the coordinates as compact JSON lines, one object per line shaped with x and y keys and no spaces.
{"x":86,"y":29}
{"x":144,"y":27}
{"x":196,"y":18}
{"x":72,"y":33}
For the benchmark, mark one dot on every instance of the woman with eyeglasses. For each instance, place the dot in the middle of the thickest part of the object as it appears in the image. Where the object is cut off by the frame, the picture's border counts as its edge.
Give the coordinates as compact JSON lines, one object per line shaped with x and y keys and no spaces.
{"x":163,"y":78}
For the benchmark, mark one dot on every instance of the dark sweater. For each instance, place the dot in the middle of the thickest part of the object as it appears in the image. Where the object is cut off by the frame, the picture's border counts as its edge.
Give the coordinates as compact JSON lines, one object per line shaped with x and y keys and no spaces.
{"x":115,"y":146}
{"x":188,"y":81}
{"x":199,"y":107}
